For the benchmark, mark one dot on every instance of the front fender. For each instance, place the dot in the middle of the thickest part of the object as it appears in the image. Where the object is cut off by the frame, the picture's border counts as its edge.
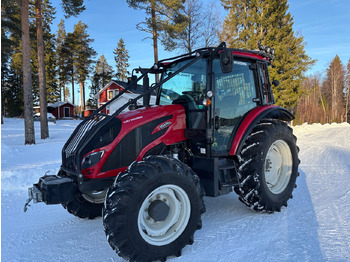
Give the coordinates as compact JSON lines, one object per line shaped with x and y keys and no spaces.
{"x":252,"y":118}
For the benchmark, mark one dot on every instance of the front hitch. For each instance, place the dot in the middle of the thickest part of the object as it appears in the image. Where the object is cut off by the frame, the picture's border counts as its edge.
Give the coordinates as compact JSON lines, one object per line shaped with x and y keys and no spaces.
{"x":52,"y":190}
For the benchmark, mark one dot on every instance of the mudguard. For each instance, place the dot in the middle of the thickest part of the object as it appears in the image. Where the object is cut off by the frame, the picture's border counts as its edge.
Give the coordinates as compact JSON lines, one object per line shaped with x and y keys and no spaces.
{"x":252,"y":118}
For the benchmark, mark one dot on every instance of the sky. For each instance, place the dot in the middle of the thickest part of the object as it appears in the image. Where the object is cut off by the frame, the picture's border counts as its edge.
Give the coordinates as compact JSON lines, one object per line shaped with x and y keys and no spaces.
{"x":324,"y":24}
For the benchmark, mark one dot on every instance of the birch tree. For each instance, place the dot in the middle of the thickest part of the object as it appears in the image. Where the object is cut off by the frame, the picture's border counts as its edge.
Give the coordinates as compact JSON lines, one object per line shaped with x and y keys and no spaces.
{"x":333,"y":88}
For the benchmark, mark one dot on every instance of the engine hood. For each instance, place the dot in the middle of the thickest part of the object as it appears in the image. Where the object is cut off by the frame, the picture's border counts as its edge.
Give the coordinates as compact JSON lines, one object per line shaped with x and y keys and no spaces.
{"x":141,"y":130}
{"x":174,"y":114}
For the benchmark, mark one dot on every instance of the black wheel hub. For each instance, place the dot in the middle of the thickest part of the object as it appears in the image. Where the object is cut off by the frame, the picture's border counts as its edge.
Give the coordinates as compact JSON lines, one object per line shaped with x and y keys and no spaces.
{"x":158,"y":210}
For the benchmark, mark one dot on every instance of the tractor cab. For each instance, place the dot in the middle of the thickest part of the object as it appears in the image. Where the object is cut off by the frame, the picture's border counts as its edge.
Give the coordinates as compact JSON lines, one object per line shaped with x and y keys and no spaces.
{"x":216,"y":98}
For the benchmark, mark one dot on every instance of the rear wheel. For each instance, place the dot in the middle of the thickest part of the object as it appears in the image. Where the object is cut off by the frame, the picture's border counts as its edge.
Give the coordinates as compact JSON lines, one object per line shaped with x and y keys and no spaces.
{"x":153,"y":209}
{"x":268,"y":166}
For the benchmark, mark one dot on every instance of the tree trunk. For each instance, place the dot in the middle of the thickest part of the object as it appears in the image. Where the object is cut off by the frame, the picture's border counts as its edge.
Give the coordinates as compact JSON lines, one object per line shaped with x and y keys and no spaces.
{"x":2,"y":100}
{"x":73,"y":87}
{"x":347,"y":104}
{"x":44,"y":128}
{"x":81,"y":97}
{"x":62,"y":90}
{"x":155,"y":39}
{"x":27,"y":77}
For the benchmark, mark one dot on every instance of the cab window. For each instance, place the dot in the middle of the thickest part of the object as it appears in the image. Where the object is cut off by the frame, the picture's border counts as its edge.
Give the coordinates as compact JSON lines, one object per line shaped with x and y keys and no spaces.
{"x":190,"y":82}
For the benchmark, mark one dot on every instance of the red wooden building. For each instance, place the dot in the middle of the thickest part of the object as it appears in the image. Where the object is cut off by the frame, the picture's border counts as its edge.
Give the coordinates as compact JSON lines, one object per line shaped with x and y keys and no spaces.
{"x":61,"y":109}
{"x":109,"y":91}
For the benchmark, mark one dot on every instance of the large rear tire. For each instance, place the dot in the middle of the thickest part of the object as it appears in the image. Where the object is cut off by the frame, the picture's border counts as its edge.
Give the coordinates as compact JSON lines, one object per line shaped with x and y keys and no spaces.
{"x":268,"y":166}
{"x":153,"y":209}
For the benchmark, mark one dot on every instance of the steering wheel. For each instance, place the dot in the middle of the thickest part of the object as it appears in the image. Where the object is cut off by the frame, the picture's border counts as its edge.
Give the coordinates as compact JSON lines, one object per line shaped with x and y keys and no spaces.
{"x":196,"y":95}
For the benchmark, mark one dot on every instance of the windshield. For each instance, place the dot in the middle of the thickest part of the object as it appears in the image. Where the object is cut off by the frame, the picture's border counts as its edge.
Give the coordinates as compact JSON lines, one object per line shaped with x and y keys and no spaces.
{"x":191,"y":81}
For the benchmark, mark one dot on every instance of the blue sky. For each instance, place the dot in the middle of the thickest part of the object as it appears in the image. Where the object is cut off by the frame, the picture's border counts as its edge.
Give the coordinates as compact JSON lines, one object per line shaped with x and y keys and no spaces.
{"x":324,"y":24}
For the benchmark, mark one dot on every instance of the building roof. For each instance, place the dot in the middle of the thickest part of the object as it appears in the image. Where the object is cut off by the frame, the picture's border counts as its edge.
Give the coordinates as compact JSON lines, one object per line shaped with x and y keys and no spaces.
{"x":55,"y":105}
{"x":58,"y":104}
{"x":122,"y":84}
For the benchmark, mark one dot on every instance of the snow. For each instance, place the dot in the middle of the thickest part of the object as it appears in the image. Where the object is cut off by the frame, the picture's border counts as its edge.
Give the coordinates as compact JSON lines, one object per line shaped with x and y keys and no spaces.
{"x":314,"y":227}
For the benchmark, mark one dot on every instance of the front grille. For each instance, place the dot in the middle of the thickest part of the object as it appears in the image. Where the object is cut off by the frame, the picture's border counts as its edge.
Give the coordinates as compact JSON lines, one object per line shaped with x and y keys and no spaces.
{"x":79,"y":135}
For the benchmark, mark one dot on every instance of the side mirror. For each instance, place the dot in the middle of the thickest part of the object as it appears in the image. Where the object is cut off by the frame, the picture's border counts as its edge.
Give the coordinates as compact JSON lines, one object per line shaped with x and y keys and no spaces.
{"x":226,"y":61}
{"x":132,"y":82}
{"x":276,"y":82}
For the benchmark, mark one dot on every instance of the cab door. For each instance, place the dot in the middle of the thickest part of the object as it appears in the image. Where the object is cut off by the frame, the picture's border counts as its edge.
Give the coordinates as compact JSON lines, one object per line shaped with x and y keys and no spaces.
{"x":235,"y":94}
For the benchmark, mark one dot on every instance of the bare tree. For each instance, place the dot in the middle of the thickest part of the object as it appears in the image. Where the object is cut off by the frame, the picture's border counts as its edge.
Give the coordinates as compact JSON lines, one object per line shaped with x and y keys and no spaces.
{"x":334,"y":89}
{"x":311,"y":107}
{"x":189,"y":38}
{"x":27,"y":77}
{"x":347,"y":97}
{"x":203,"y":26}
{"x":211,"y":25}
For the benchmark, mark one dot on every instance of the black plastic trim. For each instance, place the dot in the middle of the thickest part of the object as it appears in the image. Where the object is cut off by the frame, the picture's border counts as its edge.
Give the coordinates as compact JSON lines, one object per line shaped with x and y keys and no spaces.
{"x":131,"y":145}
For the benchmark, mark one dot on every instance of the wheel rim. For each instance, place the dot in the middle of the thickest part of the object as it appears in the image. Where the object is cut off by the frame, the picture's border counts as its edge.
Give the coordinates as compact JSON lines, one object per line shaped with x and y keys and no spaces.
{"x":172,"y":220}
{"x":278,"y":166}
{"x":96,"y":197}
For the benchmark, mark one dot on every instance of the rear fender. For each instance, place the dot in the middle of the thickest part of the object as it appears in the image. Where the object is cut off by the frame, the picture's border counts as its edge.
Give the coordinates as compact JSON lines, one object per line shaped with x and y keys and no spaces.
{"x":252,"y":118}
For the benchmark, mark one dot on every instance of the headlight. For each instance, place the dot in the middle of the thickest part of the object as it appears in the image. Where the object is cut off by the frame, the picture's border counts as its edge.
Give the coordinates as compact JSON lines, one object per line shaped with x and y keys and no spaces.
{"x":91,"y":159}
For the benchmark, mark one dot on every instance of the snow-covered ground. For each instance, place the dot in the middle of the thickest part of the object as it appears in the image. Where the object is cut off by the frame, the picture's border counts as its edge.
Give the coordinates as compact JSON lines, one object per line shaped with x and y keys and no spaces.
{"x":314,"y":227}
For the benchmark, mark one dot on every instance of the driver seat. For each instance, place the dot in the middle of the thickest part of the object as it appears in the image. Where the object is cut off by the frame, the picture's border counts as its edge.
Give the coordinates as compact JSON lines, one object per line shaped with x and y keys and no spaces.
{"x":195,"y":117}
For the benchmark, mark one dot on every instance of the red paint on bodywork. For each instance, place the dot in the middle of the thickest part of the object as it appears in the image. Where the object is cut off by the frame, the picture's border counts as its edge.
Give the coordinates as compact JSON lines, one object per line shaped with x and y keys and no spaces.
{"x":251,"y":55}
{"x":133,"y":119}
{"x":245,"y":124}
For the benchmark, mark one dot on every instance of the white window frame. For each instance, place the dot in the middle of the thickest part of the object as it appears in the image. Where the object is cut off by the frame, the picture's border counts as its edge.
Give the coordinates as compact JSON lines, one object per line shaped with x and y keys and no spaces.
{"x":114,"y":92}
{"x":108,"y":94}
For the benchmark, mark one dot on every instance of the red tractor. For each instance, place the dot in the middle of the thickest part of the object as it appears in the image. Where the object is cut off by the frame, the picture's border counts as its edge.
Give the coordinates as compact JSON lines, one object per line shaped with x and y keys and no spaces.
{"x":214,"y":128}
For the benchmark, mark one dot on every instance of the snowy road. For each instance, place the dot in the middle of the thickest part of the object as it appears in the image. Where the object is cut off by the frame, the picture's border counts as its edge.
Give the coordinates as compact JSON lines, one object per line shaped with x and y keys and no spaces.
{"x":314,"y":227}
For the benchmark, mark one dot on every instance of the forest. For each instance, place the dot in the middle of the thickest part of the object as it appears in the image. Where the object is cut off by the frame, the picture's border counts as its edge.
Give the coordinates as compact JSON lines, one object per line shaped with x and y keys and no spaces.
{"x":39,"y":66}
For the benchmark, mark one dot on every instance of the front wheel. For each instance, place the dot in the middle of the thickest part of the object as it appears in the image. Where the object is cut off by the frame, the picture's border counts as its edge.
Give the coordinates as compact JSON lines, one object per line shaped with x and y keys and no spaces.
{"x":153,"y":209}
{"x":268,"y":166}
{"x":86,"y":205}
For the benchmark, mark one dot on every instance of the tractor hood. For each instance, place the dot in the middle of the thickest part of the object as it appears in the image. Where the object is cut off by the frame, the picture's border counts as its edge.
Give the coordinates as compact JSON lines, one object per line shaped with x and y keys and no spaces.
{"x":130,"y":137}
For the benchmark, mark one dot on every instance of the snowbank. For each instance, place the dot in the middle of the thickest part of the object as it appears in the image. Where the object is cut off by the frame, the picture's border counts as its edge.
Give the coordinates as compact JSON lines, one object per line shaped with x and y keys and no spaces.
{"x":314,"y":227}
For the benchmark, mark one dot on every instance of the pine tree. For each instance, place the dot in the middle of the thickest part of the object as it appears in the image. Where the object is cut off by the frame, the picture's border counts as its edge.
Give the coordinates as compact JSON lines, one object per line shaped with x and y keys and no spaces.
{"x":44,"y":128}
{"x":17,"y":45}
{"x":61,"y":58}
{"x":94,"y":88}
{"x":65,"y":47}
{"x":66,"y":94}
{"x":52,"y":87}
{"x":83,"y":57}
{"x":27,"y":77}
{"x":268,"y":22}
{"x":14,"y":95}
{"x":103,"y":71}
{"x":9,"y":27}
{"x":72,"y":7}
{"x":164,"y":22}
{"x":121,"y":57}
{"x":68,"y":68}
{"x":333,"y":88}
